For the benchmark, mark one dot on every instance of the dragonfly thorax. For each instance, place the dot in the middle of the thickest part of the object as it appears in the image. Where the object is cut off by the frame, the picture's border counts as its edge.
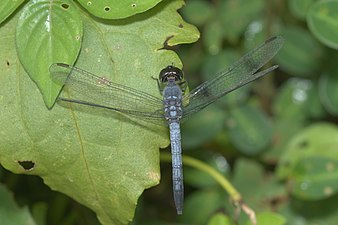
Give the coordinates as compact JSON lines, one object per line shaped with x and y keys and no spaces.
{"x":172,"y":98}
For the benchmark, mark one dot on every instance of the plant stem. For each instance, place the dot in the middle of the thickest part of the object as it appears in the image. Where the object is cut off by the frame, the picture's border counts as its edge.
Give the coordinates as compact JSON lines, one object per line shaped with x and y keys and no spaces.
{"x":187,"y":160}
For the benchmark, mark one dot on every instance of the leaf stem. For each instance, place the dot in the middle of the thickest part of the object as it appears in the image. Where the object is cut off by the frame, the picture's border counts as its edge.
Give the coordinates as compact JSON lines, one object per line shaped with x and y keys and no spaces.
{"x":187,"y":160}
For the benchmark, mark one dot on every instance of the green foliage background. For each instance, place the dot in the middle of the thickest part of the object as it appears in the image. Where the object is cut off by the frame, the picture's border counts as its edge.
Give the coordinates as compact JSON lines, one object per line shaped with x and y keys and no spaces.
{"x":276,"y":140}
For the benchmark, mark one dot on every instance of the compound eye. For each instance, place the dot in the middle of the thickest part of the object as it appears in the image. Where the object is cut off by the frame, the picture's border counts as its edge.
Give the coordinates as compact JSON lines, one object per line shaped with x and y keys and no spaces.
{"x":178,"y":73}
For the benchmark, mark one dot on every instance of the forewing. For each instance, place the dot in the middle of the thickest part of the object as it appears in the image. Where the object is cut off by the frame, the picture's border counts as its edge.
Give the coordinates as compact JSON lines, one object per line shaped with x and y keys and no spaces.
{"x":88,"y":89}
{"x":240,"y":73}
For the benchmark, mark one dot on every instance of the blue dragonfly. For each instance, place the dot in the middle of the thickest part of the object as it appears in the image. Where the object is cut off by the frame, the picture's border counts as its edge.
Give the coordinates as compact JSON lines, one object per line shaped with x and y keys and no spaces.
{"x":175,"y":105}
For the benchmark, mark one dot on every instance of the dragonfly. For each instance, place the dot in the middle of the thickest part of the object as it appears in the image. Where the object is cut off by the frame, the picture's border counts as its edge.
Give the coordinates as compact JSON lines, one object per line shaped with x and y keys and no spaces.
{"x":175,"y":105}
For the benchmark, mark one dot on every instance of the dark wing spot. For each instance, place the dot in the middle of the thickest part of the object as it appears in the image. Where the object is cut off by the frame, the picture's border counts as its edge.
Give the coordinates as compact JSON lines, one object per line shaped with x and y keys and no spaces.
{"x":205,"y":92}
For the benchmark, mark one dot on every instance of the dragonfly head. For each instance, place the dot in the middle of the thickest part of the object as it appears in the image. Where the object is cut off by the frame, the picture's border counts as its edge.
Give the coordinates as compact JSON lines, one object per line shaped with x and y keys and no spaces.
{"x":171,"y":73}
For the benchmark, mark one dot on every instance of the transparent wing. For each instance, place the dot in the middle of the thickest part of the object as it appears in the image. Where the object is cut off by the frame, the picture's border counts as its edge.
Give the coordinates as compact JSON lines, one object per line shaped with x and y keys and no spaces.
{"x":88,"y":89}
{"x":240,"y":73}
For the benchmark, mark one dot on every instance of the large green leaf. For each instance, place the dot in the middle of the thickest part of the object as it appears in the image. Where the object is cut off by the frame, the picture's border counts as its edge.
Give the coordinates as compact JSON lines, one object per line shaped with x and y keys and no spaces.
{"x":101,"y":159}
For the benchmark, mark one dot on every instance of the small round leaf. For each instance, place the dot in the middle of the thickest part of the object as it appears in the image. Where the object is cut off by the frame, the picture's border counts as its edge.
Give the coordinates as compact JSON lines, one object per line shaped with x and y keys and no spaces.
{"x":117,"y":9}
{"x":249,"y":129}
{"x":323,"y":22}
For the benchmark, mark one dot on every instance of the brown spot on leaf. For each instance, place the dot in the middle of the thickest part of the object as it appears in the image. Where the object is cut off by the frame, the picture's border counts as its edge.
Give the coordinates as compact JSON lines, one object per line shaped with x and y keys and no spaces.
{"x":27,"y":164}
{"x":65,"y":6}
